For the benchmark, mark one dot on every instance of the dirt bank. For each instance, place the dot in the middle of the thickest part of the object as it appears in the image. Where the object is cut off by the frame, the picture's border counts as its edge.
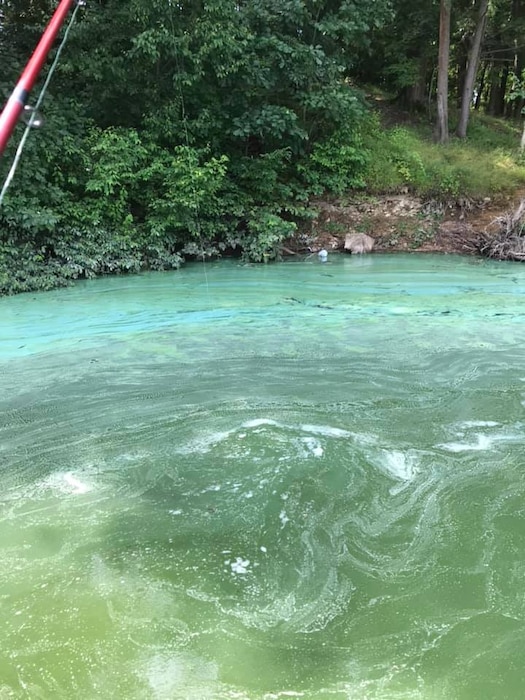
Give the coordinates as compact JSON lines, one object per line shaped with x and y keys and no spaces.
{"x":404,"y":223}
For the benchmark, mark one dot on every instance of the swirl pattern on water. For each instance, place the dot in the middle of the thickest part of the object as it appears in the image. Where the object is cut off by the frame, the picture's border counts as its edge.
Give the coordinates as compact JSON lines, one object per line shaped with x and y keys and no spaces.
{"x":295,"y":481}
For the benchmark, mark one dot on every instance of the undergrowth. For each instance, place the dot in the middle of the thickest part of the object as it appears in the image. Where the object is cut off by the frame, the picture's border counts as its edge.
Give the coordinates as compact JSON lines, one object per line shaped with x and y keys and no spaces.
{"x":487,"y":163}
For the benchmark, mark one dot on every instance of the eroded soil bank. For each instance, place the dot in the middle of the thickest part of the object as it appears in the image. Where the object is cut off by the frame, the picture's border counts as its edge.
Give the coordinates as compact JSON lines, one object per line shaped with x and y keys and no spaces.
{"x":402,"y":222}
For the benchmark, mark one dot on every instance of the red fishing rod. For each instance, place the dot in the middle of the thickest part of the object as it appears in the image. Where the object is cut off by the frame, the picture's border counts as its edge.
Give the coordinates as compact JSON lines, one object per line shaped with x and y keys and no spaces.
{"x":17,"y":101}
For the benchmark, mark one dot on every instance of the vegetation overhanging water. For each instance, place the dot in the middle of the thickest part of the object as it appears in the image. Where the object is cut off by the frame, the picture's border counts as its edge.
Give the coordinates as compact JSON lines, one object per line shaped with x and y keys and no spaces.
{"x":299,"y":480}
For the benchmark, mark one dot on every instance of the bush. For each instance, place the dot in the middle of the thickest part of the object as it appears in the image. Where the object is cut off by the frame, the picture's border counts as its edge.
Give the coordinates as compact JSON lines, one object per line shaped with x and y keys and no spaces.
{"x":337,"y":164}
{"x":264,"y":233}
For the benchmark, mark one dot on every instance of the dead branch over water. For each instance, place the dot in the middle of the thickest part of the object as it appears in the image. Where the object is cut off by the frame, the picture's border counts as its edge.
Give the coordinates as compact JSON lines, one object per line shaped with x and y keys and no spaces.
{"x":504,"y":238}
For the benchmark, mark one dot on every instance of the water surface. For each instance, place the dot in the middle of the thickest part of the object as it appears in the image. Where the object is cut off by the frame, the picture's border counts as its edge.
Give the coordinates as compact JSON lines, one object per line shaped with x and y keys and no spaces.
{"x":303,"y":480}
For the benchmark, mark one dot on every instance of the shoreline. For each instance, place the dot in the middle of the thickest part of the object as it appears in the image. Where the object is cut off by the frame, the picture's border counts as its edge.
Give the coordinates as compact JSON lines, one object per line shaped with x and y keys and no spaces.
{"x":405,"y":223}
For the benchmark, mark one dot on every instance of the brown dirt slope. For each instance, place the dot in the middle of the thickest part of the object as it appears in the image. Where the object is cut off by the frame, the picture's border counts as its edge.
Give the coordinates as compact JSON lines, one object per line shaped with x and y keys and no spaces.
{"x":404,"y":223}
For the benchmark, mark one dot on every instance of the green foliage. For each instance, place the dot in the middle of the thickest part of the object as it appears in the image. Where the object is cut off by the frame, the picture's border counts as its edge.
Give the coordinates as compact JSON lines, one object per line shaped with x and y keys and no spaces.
{"x":115,"y":157}
{"x":395,"y":160}
{"x":196,"y":127}
{"x":404,"y":49}
{"x":23,"y":268}
{"x":179,"y":195}
{"x":264,"y":232}
{"x":337,"y":164}
{"x":403,"y":158}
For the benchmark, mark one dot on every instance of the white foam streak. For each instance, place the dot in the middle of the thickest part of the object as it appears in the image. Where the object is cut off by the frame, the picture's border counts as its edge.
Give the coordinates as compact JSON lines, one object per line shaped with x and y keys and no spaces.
{"x":257,"y":422}
{"x":67,"y":483}
{"x":483,"y":443}
{"x":204,"y":443}
{"x":326,"y":430}
{"x":400,"y":465}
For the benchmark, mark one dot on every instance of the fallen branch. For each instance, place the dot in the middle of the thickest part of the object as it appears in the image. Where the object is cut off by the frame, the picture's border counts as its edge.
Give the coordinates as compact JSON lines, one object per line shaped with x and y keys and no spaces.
{"x":504,"y":238}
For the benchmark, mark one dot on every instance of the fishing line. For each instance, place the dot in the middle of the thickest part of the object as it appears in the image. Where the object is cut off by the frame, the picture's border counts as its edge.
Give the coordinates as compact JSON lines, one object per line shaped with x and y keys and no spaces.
{"x":34,"y":113}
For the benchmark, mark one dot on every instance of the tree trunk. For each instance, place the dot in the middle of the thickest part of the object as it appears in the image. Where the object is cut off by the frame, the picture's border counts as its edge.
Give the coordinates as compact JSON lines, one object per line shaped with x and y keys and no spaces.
{"x":481,"y":86}
{"x":473,"y":63}
{"x":498,"y":89}
{"x":414,"y":97}
{"x":495,"y":77}
{"x":441,"y":134}
{"x":498,"y":86}
{"x":463,"y":49}
{"x":519,"y":64}
{"x":503,"y":91}
{"x":517,"y":110}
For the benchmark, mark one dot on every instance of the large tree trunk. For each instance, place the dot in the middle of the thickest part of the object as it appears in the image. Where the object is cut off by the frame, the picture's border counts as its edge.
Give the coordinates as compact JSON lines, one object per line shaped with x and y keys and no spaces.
{"x":481,"y":86}
{"x":498,"y":88}
{"x":503,"y":91}
{"x":463,"y":48}
{"x":441,"y":133}
{"x":473,"y":63}
{"x":518,"y":14}
{"x":495,"y":77}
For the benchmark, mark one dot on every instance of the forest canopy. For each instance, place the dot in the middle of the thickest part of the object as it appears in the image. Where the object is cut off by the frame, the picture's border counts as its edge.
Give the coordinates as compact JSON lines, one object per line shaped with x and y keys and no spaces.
{"x":176,"y":129}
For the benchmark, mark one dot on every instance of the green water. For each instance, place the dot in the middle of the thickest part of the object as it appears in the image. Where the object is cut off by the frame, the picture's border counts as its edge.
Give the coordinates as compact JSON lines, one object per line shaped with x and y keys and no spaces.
{"x":292,"y":481}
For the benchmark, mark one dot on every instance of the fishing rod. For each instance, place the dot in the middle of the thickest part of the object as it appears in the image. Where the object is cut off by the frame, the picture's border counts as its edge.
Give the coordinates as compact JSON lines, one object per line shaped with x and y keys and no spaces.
{"x":17,"y":101}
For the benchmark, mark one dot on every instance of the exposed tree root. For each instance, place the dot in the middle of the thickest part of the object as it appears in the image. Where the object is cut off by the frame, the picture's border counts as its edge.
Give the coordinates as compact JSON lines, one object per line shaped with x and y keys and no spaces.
{"x":504,"y":238}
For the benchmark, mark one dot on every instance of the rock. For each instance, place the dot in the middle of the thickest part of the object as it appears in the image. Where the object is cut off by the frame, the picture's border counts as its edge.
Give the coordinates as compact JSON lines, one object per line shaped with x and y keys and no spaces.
{"x":358,"y":243}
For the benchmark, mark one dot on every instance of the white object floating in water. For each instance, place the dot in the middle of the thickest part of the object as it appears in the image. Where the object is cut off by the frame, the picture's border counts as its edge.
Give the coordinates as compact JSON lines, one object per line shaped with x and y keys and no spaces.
{"x":313,"y":446}
{"x":240,"y":566}
{"x":323,"y":255}
{"x":283,"y":518}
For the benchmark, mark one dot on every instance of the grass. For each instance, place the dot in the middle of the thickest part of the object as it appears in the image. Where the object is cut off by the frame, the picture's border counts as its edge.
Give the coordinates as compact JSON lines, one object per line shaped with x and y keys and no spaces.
{"x":487,"y":163}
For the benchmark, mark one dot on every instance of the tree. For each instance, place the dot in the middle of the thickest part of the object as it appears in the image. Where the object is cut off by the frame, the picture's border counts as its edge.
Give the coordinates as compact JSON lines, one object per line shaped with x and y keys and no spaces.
{"x":403,"y":54}
{"x":517,"y":95}
{"x":442,"y":133}
{"x":472,"y":69}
